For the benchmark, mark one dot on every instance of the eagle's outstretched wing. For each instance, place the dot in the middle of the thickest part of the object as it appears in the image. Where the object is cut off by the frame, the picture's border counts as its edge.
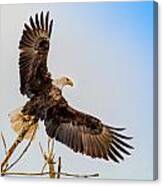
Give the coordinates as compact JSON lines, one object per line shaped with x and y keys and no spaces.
{"x":34,"y":47}
{"x":86,"y":134}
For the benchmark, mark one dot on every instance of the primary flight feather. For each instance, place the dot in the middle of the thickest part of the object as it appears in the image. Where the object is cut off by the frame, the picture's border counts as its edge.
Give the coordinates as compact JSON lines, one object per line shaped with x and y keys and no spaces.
{"x":79,"y":131}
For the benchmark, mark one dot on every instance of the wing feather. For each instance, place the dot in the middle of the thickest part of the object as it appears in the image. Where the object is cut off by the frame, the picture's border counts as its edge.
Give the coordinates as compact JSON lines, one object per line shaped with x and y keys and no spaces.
{"x":37,"y":21}
{"x":112,"y":156}
{"x":50,"y":28}
{"x":115,"y":151}
{"x":47,"y":21}
{"x":86,"y":134}
{"x":123,"y":143}
{"x":35,"y":43}
{"x":42,"y":20}
{"x":120,"y":148}
{"x":32,"y":23}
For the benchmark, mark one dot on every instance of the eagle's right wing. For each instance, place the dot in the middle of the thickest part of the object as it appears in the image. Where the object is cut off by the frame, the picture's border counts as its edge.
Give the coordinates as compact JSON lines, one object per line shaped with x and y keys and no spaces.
{"x":86,"y":134}
{"x":34,"y":47}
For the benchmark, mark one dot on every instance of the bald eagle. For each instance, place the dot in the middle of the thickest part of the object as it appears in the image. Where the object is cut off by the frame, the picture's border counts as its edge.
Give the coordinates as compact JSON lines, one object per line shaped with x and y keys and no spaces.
{"x":79,"y":131}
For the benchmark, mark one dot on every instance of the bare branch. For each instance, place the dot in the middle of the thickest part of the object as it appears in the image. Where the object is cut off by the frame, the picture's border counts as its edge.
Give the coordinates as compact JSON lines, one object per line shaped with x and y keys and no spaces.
{"x":59,"y":167}
{"x":52,"y":147}
{"x":18,"y":140}
{"x":41,"y":148}
{"x":43,"y":168}
{"x":50,"y":158}
{"x":42,"y":151}
{"x":49,"y":145}
{"x":79,"y":176}
{"x":26,"y":173}
{"x":24,"y":151}
{"x":4,"y":142}
{"x":46,"y":173}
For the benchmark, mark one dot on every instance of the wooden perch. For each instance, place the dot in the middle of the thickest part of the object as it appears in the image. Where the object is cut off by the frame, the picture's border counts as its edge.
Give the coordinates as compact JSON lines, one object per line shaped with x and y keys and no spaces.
{"x":23,"y":152}
{"x":4,"y":142}
{"x":59,"y":168}
{"x":47,"y":173}
{"x":18,"y":140}
{"x":5,"y":147}
{"x":49,"y":158}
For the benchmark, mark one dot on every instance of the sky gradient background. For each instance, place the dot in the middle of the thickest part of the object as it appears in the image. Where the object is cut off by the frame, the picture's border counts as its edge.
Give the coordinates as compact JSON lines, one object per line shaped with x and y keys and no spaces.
{"x":107,"y":49}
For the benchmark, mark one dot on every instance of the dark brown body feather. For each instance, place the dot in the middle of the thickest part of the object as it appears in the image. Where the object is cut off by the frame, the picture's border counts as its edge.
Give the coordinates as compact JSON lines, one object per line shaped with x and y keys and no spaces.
{"x":79,"y":131}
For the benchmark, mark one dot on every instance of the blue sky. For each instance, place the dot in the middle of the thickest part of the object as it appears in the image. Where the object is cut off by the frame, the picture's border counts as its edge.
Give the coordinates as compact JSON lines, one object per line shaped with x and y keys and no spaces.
{"x":107,"y":49}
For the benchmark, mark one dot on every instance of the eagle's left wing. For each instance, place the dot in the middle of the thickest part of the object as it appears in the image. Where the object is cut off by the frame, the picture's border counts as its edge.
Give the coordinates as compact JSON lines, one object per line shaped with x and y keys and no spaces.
{"x":86,"y":134}
{"x":34,"y":47}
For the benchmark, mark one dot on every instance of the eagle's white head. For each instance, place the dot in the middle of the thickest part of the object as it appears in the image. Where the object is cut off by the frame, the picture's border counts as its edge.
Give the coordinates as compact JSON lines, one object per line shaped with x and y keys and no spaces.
{"x":62,"y":82}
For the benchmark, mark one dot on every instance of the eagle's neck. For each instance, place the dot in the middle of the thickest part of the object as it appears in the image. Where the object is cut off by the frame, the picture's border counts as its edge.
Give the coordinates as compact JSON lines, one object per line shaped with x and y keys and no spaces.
{"x":58,"y":83}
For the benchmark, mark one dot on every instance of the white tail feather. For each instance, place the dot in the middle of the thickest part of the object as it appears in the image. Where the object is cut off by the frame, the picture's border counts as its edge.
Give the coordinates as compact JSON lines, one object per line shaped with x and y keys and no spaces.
{"x":18,"y":120}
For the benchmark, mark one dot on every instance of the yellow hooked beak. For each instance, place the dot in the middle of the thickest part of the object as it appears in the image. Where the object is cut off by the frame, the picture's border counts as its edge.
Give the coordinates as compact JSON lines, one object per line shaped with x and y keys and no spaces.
{"x":70,"y":82}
